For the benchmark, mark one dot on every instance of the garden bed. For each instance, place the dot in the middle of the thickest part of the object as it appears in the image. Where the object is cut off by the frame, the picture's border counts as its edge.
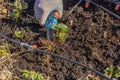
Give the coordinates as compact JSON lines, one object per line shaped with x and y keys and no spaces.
{"x":93,"y":39}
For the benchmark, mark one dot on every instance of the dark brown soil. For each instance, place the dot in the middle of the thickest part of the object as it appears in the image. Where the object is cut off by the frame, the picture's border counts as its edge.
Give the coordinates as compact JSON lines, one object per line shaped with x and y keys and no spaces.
{"x":93,"y":39}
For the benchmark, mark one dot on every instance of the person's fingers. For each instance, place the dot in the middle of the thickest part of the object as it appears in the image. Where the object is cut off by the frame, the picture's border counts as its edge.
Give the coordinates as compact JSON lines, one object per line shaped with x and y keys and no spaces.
{"x":44,"y":17}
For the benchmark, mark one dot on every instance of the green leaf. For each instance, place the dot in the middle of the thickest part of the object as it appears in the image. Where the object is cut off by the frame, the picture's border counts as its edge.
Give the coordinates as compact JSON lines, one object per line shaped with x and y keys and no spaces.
{"x":26,"y":71}
{"x":28,"y":29}
{"x":60,"y":26}
{"x":117,"y":72}
{"x":62,"y":36}
{"x":118,"y":68}
{"x":40,"y":77}
{"x":60,"y":30}
{"x":109,"y":71}
{"x":3,"y":50}
{"x":33,"y":75}
{"x":15,"y":13}
{"x":25,"y":74}
{"x":18,"y":4}
{"x":19,"y":34}
{"x":63,"y":27}
{"x":54,"y":26}
{"x":117,"y":75}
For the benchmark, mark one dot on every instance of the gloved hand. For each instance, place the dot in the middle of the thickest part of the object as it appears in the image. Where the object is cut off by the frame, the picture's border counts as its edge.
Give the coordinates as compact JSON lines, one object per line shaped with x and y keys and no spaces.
{"x":42,"y":8}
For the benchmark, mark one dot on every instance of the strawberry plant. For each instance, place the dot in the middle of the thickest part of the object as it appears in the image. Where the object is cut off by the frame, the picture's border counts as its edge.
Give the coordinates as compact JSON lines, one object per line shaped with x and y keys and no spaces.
{"x":19,"y":6}
{"x":60,"y":31}
{"x":117,"y":72}
{"x":32,"y":75}
{"x":112,"y":72}
{"x":109,"y":71}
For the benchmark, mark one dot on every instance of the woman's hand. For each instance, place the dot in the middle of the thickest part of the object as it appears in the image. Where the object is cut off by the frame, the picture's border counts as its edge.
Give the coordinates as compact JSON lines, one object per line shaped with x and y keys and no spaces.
{"x":42,"y":8}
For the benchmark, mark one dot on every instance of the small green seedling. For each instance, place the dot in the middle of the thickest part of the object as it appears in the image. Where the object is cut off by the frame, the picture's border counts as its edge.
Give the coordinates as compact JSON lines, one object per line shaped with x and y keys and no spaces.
{"x":32,"y":75}
{"x":109,"y":71}
{"x":3,"y":51}
{"x":19,"y":34}
{"x":60,"y":31}
{"x":117,"y":72}
{"x":15,"y":13}
{"x":61,"y":27}
{"x":28,"y":29}
{"x":19,"y":6}
{"x":62,"y":36}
